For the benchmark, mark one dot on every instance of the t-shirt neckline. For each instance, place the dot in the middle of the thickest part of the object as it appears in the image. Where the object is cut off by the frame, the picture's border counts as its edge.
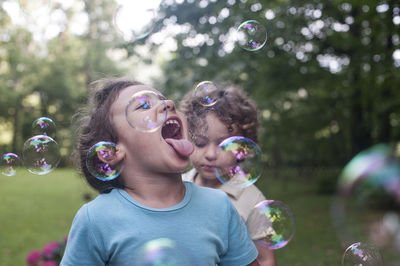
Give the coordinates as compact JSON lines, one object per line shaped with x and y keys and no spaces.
{"x":183,"y":203}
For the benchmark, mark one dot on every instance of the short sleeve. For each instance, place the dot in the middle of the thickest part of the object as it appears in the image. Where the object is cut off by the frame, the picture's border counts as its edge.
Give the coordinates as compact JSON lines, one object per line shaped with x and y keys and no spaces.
{"x":241,"y":249}
{"x":82,"y":246}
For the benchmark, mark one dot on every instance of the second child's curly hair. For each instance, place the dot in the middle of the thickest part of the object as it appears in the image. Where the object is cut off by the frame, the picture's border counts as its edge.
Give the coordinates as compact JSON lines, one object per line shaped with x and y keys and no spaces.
{"x":234,"y":108}
{"x":94,"y":124}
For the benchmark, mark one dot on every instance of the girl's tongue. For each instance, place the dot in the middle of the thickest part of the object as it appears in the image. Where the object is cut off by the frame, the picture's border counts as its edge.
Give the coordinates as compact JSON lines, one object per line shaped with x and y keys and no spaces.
{"x":182,"y":146}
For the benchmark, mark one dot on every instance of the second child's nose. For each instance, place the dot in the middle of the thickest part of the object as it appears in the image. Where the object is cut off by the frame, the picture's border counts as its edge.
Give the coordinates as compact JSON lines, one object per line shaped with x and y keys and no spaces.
{"x":211,"y":153}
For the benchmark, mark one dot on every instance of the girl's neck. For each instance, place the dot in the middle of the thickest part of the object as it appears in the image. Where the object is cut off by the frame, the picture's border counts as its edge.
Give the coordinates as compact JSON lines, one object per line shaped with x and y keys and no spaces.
{"x":205,"y":182}
{"x":157,"y":192}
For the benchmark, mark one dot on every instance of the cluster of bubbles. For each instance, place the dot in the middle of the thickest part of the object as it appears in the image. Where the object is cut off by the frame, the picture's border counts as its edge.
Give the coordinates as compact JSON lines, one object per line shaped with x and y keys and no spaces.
{"x":40,"y":153}
{"x":370,"y":181}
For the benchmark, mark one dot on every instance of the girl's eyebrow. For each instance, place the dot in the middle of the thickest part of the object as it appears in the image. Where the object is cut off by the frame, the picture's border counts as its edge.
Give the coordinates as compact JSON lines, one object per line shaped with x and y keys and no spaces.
{"x":162,"y":97}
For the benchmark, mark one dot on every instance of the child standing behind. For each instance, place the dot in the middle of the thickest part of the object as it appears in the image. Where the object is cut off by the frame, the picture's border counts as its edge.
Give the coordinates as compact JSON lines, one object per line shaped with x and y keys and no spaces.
{"x":234,"y":114}
{"x":149,"y":200}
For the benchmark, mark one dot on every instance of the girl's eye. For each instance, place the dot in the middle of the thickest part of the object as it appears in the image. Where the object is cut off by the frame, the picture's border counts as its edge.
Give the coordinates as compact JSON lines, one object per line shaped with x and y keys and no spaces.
{"x":144,"y":106}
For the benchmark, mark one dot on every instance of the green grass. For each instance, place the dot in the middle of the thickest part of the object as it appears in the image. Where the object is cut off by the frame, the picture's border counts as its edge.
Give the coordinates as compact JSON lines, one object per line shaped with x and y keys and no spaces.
{"x":35,"y":210}
{"x":315,"y":242}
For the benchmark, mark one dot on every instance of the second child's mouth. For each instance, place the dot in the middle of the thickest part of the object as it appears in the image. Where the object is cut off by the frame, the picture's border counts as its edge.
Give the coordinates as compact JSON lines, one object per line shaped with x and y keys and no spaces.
{"x":208,"y":167}
{"x":172,"y":133}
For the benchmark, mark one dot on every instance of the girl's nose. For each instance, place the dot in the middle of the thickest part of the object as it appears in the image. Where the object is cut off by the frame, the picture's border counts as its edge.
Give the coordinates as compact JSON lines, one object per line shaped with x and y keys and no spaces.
{"x":169,"y":105}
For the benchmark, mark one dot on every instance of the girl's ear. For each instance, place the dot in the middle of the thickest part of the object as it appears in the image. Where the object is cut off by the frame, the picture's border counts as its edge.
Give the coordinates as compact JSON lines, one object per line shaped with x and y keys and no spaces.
{"x":113,"y":157}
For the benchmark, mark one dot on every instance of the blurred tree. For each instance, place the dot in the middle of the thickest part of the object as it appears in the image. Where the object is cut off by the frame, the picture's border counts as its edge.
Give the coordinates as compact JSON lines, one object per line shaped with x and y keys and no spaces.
{"x":49,"y":76}
{"x":100,"y":37}
{"x":326,"y":81}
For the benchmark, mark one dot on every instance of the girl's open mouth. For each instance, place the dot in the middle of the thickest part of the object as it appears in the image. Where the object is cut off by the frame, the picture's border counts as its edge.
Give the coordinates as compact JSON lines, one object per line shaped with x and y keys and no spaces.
{"x":172,"y":133}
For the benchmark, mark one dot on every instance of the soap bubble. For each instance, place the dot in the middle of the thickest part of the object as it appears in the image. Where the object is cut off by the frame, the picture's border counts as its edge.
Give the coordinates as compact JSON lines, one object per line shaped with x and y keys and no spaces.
{"x":161,"y":252}
{"x":362,"y":254}
{"x":40,"y":154}
{"x":135,"y":21}
{"x":97,"y":164}
{"x":207,"y":93}
{"x":366,"y":206}
{"x":271,"y":224}
{"x":251,"y":35}
{"x":9,"y":164}
{"x":44,"y":126}
{"x":241,"y":164}
{"x":140,"y":111}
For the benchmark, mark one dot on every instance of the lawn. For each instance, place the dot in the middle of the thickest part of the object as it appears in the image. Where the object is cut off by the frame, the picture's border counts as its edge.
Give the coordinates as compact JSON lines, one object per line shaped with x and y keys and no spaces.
{"x":35,"y":210}
{"x":38,"y":209}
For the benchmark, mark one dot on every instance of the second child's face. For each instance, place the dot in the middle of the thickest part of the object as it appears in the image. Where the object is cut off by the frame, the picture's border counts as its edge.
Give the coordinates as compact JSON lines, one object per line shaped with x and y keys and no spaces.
{"x":206,"y":155}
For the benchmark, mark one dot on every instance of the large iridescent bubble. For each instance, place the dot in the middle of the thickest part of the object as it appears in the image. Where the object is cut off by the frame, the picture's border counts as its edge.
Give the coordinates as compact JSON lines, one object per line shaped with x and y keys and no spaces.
{"x":99,"y":161}
{"x":140,"y":111}
{"x":362,"y":254}
{"x":161,"y":252}
{"x":41,"y":154}
{"x":271,"y":224}
{"x":9,"y":164}
{"x":207,"y":93}
{"x":135,"y":20}
{"x":367,"y":203}
{"x":251,"y":35}
{"x":241,"y":164}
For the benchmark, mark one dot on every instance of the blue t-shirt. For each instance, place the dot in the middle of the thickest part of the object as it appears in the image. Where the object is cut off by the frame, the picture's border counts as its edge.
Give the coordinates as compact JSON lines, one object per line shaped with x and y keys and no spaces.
{"x":111,"y":229}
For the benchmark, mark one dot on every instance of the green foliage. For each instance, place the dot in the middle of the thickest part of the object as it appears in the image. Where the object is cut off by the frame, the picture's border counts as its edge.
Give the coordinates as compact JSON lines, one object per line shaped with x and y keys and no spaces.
{"x":326,"y":81}
{"x":49,"y":77}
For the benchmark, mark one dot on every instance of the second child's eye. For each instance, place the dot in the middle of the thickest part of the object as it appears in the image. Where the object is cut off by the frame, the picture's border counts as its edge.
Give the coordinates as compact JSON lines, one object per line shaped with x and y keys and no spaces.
{"x":200,"y":144}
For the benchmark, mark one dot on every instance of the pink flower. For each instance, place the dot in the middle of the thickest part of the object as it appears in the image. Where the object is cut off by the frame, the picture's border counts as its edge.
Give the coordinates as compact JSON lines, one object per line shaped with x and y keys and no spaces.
{"x":50,"y":248}
{"x":33,"y":257}
{"x":49,"y":263}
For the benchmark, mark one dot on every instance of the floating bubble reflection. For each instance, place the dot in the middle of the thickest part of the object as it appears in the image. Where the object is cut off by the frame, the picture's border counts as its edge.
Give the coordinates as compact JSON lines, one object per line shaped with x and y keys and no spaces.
{"x":271,"y":224}
{"x":100,"y":161}
{"x":41,"y":154}
{"x":251,"y":35}
{"x":241,"y":164}
{"x":9,"y":164}
{"x":362,"y":254}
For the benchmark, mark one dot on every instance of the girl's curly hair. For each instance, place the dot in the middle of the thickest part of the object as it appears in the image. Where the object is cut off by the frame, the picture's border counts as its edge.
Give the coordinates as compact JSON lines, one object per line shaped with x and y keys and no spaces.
{"x":94,"y":124}
{"x":234,"y":108}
